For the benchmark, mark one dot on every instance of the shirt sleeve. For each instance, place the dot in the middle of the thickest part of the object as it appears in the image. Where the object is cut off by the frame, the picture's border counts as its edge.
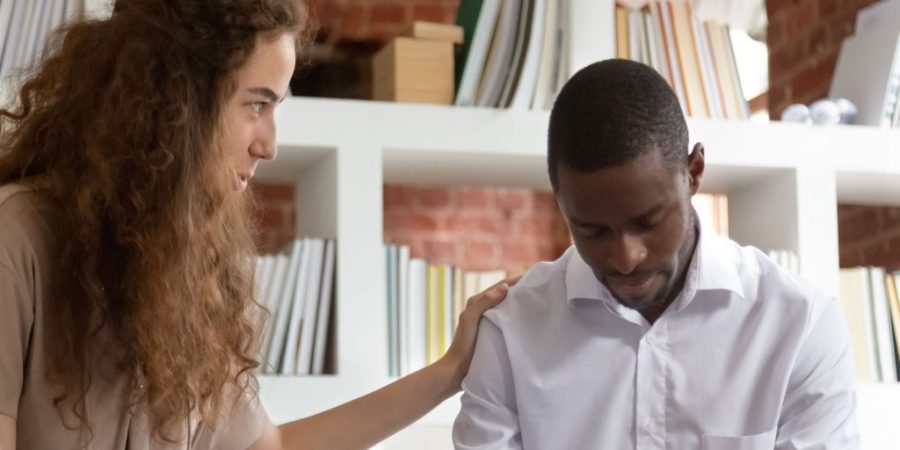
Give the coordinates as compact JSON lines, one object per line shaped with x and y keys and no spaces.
{"x":242,"y":425}
{"x":819,"y":409}
{"x":488,"y":418}
{"x":16,"y":320}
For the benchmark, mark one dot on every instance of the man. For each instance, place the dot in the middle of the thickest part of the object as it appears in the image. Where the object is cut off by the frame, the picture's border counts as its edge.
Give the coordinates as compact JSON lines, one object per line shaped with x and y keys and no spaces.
{"x":651,"y":333}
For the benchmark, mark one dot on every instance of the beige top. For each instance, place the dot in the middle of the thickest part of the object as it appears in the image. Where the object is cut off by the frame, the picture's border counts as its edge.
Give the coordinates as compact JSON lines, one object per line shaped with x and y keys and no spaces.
{"x":27,"y":254}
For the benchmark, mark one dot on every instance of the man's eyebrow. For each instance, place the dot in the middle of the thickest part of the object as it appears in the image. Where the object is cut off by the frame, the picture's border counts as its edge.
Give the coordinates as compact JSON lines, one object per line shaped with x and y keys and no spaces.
{"x":650,"y":212}
{"x":643,"y":216}
{"x":267,"y":93}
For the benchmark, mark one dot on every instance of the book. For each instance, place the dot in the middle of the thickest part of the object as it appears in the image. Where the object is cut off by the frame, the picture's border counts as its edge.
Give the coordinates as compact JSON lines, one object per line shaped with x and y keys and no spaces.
{"x":433,"y":331}
{"x":14,"y":35}
{"x":623,"y":41}
{"x":285,"y":359}
{"x":273,"y":297}
{"x":500,"y":56}
{"x":459,"y":297}
{"x":883,"y":333}
{"x":391,"y":306}
{"x":323,"y":313}
{"x":6,"y":8}
{"x":478,"y":29}
{"x":592,"y":37}
{"x":695,"y":91}
{"x":707,"y":75}
{"x":722,"y":67}
{"x":447,"y":302}
{"x":526,"y":84}
{"x":519,"y":50}
{"x":403,"y":307}
{"x":675,"y":76}
{"x":853,"y":302}
{"x":712,"y":210}
{"x":551,"y":42}
{"x":893,"y":298}
{"x":261,"y":275}
{"x":284,"y":296}
{"x":303,"y":348}
{"x":418,"y":317}
{"x":865,"y":74}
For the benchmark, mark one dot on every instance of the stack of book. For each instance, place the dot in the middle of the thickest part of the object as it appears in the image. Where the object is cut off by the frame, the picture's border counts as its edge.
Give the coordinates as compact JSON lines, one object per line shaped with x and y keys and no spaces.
{"x":712,"y":210}
{"x":424,"y":301}
{"x":296,"y":285}
{"x":696,"y":58}
{"x":869,"y":297}
{"x":25,"y":26}
{"x":518,"y":53}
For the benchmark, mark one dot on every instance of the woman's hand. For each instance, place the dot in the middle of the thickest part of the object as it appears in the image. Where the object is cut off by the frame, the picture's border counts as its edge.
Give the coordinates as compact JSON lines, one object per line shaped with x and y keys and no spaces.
{"x":369,"y":419}
{"x":459,"y":355}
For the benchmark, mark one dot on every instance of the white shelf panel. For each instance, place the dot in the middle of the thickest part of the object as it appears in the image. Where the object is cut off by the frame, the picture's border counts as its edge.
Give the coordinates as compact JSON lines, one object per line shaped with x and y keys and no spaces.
{"x":445,"y":145}
{"x":866,"y":162}
{"x":306,"y":122}
{"x":291,"y":162}
{"x":465,"y":169}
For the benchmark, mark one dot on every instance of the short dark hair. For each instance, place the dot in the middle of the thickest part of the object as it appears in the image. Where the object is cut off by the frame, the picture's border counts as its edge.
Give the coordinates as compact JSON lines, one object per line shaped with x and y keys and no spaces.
{"x":611,"y":112}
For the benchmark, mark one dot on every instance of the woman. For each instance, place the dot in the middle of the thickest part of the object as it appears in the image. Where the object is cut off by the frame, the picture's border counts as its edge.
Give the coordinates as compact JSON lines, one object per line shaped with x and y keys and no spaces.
{"x":125,"y":282}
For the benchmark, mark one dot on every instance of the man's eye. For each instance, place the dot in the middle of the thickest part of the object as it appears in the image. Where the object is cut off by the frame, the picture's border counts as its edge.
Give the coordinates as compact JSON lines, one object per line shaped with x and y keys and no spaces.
{"x":646,"y":225}
{"x":596,"y":231}
{"x":257,"y":107}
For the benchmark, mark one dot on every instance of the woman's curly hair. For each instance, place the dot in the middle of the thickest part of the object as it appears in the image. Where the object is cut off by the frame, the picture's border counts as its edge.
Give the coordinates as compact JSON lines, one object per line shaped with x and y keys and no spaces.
{"x":117,"y":128}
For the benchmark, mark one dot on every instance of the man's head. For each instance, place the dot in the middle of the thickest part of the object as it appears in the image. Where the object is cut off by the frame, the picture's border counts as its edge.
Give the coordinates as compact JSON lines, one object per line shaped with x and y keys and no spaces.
{"x":618,"y":161}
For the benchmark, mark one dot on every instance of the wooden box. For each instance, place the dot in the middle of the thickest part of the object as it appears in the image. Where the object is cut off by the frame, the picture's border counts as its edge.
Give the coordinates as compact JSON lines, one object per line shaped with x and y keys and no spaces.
{"x":417,"y":67}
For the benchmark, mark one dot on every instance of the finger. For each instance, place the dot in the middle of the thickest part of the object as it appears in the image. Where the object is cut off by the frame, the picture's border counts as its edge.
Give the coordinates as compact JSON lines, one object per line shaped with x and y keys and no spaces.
{"x":489,"y":298}
{"x":511,"y":281}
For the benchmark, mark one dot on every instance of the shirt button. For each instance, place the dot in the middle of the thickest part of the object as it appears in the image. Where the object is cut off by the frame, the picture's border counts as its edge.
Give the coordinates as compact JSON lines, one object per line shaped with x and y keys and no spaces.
{"x":651,"y":428}
{"x":650,"y":340}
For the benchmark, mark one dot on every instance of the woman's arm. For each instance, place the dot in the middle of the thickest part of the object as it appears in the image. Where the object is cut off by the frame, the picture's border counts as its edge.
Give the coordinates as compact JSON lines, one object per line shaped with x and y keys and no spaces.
{"x":7,"y":432}
{"x":363,"y":422}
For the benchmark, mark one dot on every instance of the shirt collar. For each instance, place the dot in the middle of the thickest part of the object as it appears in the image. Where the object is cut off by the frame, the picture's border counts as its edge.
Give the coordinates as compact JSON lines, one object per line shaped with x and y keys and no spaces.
{"x":713,"y":267}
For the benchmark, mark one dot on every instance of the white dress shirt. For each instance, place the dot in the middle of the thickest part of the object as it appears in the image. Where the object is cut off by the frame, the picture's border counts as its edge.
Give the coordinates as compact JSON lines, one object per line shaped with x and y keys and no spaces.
{"x":747,"y":357}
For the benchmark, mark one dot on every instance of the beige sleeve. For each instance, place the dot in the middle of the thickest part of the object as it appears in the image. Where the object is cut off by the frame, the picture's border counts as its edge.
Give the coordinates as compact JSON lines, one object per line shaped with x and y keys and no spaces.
{"x":239,"y":429}
{"x":16,"y":319}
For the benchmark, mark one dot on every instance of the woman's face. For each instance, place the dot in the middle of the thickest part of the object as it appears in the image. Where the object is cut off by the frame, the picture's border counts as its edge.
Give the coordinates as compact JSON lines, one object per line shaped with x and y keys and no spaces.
{"x":249,"y":116}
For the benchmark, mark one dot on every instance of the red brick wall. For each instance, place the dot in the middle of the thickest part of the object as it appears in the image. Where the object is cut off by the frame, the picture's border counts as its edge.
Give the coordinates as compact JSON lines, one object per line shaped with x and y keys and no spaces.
{"x":274,"y":215}
{"x":475,"y":228}
{"x":377,"y":19}
{"x":869,"y":236}
{"x":804,"y":39}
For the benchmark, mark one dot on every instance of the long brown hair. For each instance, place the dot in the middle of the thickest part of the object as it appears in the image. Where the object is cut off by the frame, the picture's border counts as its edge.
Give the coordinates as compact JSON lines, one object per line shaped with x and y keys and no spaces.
{"x":117,"y":128}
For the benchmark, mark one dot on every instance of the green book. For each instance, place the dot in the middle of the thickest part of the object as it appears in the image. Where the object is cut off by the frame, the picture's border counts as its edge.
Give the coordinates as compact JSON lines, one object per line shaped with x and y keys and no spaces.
{"x":467,"y":18}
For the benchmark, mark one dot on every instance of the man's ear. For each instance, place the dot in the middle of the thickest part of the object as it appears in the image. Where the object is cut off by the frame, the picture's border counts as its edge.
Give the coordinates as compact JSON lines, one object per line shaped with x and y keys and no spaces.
{"x":696,"y":165}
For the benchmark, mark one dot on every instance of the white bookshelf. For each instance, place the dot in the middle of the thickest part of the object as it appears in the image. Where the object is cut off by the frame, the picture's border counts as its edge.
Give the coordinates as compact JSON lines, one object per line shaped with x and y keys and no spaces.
{"x":783,"y":182}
